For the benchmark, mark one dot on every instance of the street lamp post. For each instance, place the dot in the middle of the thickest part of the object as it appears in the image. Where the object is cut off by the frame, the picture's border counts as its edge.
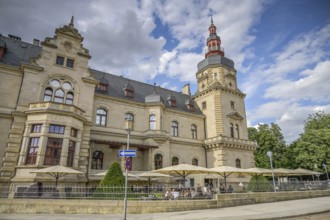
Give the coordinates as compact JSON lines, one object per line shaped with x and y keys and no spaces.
{"x":326,"y":170}
{"x":129,"y":125}
{"x":270,"y":155}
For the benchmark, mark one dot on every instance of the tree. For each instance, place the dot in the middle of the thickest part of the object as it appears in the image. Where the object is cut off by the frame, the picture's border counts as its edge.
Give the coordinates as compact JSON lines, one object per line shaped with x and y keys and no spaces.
{"x":112,"y":185}
{"x":114,"y":176}
{"x":269,"y":138}
{"x":313,"y":146}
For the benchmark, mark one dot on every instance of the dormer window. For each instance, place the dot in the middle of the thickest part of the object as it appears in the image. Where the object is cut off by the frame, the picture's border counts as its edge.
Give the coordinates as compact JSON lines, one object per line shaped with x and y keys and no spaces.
{"x":190,"y":105}
{"x":171,"y":100}
{"x":101,"y":87}
{"x":129,"y":90}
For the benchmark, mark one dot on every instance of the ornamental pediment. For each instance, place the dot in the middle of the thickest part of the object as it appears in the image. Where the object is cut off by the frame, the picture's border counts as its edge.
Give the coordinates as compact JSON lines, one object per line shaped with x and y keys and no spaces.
{"x":235,"y":116}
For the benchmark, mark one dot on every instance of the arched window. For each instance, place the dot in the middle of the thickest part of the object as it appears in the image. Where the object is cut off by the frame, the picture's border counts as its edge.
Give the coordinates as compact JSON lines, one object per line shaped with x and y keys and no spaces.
{"x":193,"y":131}
{"x":97,"y":160}
{"x":175,"y":161}
{"x":69,"y":98}
{"x":238,"y":163}
{"x":64,"y":92}
{"x":48,"y":95}
{"x":130,"y":116}
{"x":194,"y":161}
{"x":101,"y":117}
{"x":158,"y":161}
{"x":152,"y":122}
{"x":175,"y":128}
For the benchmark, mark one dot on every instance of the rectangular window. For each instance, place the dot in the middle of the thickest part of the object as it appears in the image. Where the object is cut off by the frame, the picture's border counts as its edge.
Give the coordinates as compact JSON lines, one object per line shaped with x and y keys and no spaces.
{"x":69,"y":63}
{"x":60,"y":60}
{"x":231,"y":130}
{"x":36,"y":128}
{"x":56,"y":129}
{"x":53,"y":151}
{"x":203,"y":105}
{"x":237,"y":130}
{"x":73,"y":132}
{"x":232,"y":105}
{"x":71,"y":151}
{"x":31,"y":157}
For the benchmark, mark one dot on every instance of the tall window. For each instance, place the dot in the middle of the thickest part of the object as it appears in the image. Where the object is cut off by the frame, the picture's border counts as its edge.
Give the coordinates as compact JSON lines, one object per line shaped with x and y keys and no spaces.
{"x":175,"y":128}
{"x":59,"y":96}
{"x":237,"y":130}
{"x":69,"y":63}
{"x":203,"y":105}
{"x":32,"y":151}
{"x":64,"y":92}
{"x":130,"y":116}
{"x":152,"y":122}
{"x":193,"y":131}
{"x":53,"y":151}
{"x":97,"y":160}
{"x":48,"y":95}
{"x":175,"y":161}
{"x":101,"y":117}
{"x":194,"y":161}
{"x":71,"y":151}
{"x":158,"y":161}
{"x":238,"y":163}
{"x":56,"y":129}
{"x":231,"y":130}
{"x":232,"y":105}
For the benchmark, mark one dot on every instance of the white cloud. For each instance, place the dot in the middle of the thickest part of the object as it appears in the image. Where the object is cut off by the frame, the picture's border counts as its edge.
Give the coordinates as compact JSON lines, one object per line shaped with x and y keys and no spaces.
{"x":313,"y":85}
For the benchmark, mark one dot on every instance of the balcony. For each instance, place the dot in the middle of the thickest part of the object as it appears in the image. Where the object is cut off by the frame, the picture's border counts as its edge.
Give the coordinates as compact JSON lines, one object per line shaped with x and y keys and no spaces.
{"x":53,"y":106}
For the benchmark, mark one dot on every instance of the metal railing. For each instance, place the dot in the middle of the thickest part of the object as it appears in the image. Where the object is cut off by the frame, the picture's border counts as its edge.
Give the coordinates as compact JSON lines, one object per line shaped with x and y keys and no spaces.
{"x":158,"y":192}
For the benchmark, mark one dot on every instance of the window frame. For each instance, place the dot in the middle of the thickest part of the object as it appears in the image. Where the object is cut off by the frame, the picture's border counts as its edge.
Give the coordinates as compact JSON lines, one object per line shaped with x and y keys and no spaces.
{"x":175,"y":128}
{"x":152,"y":122}
{"x":175,"y":161}
{"x":32,"y":151}
{"x":158,"y":161}
{"x":232,"y":130}
{"x":53,"y":151}
{"x":238,"y":163}
{"x":194,"y":131}
{"x":101,"y":117}
{"x":56,"y":129}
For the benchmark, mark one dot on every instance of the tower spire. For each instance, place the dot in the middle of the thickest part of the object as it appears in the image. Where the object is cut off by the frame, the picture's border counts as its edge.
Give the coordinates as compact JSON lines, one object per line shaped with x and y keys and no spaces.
{"x":213,"y":42}
{"x":71,"y":22}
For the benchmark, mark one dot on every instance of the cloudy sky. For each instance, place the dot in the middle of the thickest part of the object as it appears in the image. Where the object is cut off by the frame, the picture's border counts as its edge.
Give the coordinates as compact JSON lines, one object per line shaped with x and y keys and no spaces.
{"x":281,"y":48}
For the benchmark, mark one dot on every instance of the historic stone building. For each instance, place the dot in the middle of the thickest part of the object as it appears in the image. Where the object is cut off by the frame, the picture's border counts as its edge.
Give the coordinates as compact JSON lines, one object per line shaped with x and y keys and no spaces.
{"x":55,"y":110}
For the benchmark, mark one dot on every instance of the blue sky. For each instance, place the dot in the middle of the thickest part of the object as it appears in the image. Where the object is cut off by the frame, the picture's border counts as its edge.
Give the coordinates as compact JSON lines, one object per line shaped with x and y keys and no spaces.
{"x":280,"y":48}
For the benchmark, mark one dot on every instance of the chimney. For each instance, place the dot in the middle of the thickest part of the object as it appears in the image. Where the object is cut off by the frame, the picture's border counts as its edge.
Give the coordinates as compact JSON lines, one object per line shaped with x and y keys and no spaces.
{"x":186,"y":89}
{"x":36,"y":42}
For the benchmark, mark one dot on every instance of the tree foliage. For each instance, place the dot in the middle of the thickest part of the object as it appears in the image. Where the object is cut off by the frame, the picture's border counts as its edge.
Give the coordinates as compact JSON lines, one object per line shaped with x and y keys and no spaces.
{"x":114,"y":176}
{"x":313,"y":147}
{"x":269,"y":138}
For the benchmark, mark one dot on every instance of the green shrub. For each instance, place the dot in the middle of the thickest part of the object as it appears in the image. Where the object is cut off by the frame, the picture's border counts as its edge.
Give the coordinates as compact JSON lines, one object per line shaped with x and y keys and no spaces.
{"x":259,"y":184}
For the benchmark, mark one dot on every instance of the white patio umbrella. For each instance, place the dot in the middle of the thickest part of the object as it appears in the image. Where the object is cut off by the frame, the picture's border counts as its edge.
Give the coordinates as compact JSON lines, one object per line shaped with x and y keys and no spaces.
{"x":57,"y":172}
{"x":226,"y":171}
{"x":183,"y":170}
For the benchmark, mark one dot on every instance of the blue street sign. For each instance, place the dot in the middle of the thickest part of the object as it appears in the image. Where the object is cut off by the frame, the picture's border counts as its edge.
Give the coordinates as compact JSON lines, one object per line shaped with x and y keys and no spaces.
{"x":127,"y":153}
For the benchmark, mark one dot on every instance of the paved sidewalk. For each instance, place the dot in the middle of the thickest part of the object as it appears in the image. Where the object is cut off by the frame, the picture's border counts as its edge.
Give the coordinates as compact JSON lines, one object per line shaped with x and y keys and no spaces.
{"x":282,"y":210}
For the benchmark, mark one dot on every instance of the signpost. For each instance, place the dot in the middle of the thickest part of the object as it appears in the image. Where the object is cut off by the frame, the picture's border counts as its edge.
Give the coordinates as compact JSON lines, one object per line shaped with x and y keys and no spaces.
{"x":127,"y":153}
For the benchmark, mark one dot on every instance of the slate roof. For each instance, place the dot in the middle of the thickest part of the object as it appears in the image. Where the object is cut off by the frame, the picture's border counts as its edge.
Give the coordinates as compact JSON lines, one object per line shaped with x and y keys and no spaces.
{"x":18,"y":52}
{"x":142,"y":90}
{"x":215,"y":59}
